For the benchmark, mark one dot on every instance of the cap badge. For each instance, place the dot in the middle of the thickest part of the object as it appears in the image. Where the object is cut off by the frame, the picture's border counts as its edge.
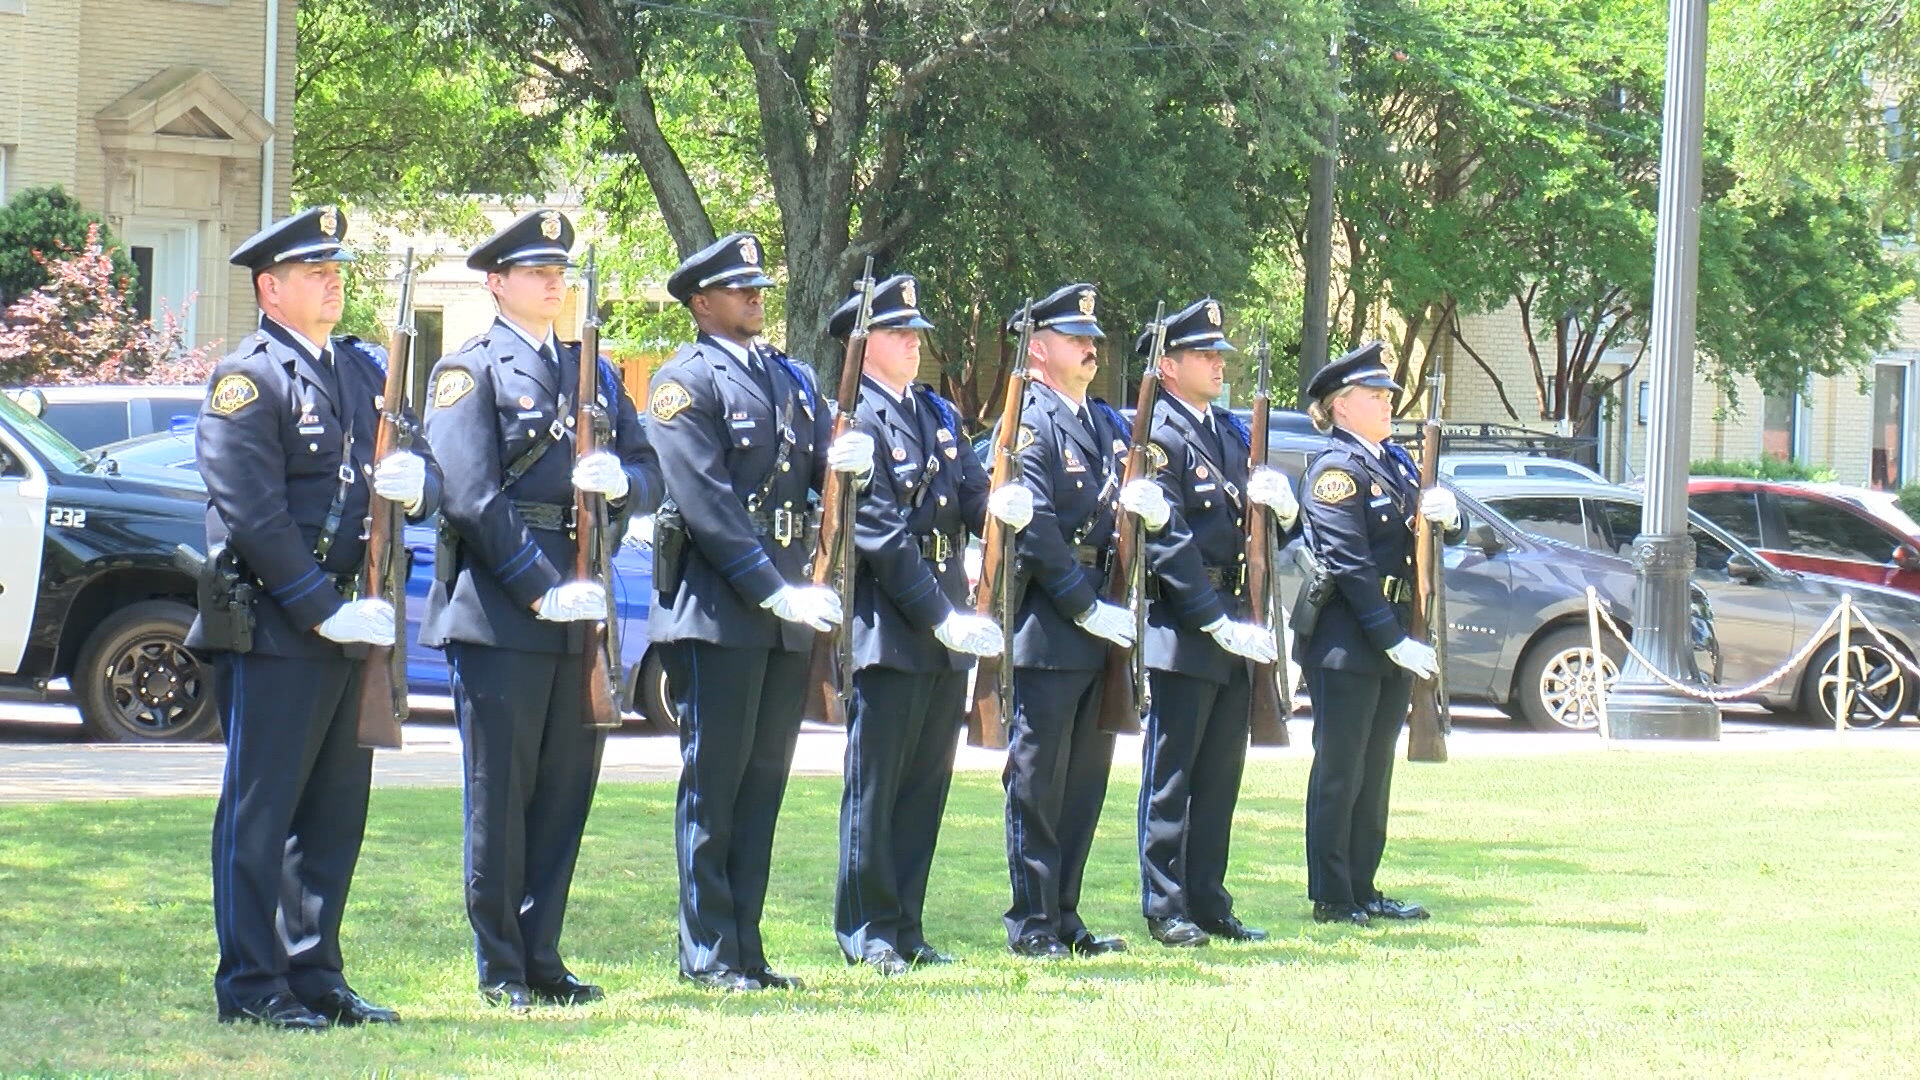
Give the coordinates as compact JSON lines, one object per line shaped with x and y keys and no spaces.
{"x":1086,"y":301}
{"x":749,"y":252}
{"x":906,"y":294}
{"x":329,"y":222}
{"x":550,"y":224}
{"x":1213,"y":313}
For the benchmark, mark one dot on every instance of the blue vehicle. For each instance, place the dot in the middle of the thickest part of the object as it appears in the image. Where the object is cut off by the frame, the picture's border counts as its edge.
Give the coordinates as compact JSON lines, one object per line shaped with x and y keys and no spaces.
{"x":165,"y":454}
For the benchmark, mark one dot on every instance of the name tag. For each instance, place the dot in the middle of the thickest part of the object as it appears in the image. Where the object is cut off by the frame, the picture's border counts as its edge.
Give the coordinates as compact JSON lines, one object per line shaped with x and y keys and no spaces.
{"x":1381,"y":501}
{"x":741,"y":424}
{"x":313,"y":429}
{"x":1208,"y":486}
{"x":534,"y":415}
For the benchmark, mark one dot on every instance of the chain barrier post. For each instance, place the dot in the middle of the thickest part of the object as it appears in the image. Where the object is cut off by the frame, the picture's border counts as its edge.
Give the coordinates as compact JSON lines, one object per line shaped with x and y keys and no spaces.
{"x":1843,"y":703}
{"x":1599,"y":661}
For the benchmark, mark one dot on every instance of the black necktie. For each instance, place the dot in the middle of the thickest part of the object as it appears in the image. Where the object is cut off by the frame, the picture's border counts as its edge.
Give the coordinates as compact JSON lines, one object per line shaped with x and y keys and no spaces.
{"x":547,"y":354}
{"x":1086,"y":421}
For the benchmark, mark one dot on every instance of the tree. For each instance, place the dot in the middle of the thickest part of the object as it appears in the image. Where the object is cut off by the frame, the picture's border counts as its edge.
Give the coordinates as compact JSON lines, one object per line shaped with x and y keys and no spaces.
{"x":38,"y":222}
{"x":77,"y":327}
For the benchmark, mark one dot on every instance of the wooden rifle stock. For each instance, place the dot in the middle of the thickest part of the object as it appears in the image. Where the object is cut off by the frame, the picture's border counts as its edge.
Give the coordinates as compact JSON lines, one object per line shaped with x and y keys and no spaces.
{"x":994,"y":594}
{"x":383,"y":671}
{"x":1272,"y":687}
{"x":1426,"y":736}
{"x":832,"y":657}
{"x":593,"y":555}
{"x":1123,"y":693}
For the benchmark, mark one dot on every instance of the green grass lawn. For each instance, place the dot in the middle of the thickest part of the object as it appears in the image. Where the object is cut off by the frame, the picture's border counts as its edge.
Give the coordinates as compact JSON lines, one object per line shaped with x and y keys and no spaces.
{"x":1596,"y":914}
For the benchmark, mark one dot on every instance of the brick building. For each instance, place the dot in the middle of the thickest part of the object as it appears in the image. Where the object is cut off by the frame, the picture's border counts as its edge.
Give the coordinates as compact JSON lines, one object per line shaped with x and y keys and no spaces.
{"x":172,"y":119}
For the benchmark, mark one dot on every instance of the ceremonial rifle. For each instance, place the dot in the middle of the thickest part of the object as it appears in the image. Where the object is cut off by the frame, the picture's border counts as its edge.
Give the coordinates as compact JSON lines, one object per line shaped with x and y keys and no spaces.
{"x":1428,"y":720}
{"x":593,"y":553}
{"x":995,"y":595}
{"x":383,"y":670}
{"x":1124,"y":694}
{"x":1272,"y":683}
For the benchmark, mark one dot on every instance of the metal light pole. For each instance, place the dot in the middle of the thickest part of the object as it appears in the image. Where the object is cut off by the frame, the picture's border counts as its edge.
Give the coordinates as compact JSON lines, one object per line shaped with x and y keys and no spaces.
{"x":1640,"y":706}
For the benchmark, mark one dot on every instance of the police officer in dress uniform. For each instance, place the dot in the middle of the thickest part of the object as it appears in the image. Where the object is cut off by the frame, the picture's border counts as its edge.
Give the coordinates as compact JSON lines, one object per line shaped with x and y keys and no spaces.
{"x":913,"y":639}
{"x":285,"y":443}
{"x":1362,"y":495}
{"x":743,"y":435}
{"x":1072,"y":454}
{"x":504,"y":407}
{"x":1197,"y":653}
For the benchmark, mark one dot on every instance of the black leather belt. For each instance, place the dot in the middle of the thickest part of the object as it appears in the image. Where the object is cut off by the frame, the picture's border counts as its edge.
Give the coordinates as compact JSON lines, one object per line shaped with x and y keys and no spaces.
{"x":545,"y":515}
{"x":938,"y":546}
{"x":1397,"y":590}
{"x":782,"y":526}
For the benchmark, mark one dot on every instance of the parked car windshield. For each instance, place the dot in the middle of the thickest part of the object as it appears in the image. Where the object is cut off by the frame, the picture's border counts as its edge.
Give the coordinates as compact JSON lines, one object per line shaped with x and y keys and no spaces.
{"x":66,"y":456}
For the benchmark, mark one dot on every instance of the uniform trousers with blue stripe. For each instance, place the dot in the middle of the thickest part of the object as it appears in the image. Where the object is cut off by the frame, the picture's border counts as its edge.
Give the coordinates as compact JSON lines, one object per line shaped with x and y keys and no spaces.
{"x":739,"y":720}
{"x":287,"y":831}
{"x":1056,"y":780}
{"x":1192,"y":759}
{"x":903,"y":729}
{"x":1357,"y":719}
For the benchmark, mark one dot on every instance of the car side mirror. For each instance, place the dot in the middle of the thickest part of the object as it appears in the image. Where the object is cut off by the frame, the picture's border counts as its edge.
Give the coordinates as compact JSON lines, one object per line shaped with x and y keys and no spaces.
{"x":1906,"y":557}
{"x":1741,"y":568}
{"x":1482,"y":535}
{"x":33,"y":401}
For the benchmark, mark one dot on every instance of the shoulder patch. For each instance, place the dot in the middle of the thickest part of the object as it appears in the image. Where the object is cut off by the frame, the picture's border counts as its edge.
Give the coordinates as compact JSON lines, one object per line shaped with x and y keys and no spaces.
{"x":1334,"y":486}
{"x":1156,"y":456}
{"x":452,"y":385}
{"x":1024,"y":439}
{"x":233,"y":393}
{"x":668,"y":401}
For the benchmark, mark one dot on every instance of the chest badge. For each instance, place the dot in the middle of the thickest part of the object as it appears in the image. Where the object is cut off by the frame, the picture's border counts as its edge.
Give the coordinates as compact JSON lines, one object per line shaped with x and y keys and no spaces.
{"x":1200,"y":471}
{"x":526,"y":402}
{"x":1334,"y":486}
{"x":1376,"y":491}
{"x":899,"y":454}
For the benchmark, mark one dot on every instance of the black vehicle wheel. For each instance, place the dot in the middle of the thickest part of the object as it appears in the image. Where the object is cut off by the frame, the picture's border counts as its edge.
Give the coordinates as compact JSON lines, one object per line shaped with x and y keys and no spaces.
{"x":1557,"y":685}
{"x":655,"y":703}
{"x":1881,"y":691}
{"x":137,"y":682}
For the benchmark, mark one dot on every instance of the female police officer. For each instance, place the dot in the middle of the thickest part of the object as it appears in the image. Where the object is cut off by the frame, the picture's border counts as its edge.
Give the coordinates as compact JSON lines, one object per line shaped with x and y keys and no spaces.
{"x":1359,"y":662}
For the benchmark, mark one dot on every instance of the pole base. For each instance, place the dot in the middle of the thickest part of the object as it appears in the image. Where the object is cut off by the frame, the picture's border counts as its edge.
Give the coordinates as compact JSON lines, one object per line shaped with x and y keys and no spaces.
{"x":1657,"y":712}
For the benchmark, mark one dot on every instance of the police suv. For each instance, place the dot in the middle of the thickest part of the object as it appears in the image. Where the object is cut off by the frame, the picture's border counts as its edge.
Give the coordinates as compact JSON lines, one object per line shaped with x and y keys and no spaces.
{"x":91,"y":590}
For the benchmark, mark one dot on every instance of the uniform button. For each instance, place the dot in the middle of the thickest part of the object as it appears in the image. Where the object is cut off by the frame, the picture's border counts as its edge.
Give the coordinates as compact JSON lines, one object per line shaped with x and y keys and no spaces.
{"x":1078,"y":484}
{"x":532,"y":434}
{"x":313,"y":447}
{"x":746,"y":442}
{"x":1207,"y":505}
{"x":941,"y":500}
{"x":786,"y":466}
{"x":1239,"y":523}
{"x":1384,"y":517}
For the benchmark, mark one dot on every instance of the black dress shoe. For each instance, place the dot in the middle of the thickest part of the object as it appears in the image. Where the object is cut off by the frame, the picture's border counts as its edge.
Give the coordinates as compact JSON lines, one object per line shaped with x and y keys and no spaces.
{"x":1177,"y":933}
{"x":513,"y":996}
{"x":724,"y":979}
{"x":925,"y":955}
{"x":773,"y":980}
{"x":282,"y":1010}
{"x":566,"y":990}
{"x":1232,"y":929}
{"x":1039,"y":945}
{"x":345,"y":1008}
{"x":1381,"y":907}
{"x":1085,"y":944}
{"x":884,"y":960}
{"x":1340,"y":913}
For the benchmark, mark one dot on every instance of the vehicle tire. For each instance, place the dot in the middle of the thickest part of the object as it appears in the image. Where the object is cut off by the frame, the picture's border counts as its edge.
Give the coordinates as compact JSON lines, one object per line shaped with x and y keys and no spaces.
{"x":136,"y":681}
{"x":1882,"y":691}
{"x":1554,"y":683}
{"x":655,"y":704}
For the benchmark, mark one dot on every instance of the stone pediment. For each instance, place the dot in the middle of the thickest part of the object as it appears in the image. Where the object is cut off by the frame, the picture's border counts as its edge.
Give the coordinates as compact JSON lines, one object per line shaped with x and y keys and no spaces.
{"x":183,"y":110}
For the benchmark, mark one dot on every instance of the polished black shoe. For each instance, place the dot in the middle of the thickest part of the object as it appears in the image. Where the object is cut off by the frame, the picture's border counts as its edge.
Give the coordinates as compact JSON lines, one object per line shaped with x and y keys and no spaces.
{"x":773,"y":980}
{"x":1039,"y":945}
{"x":345,"y":1008}
{"x":1381,"y":907}
{"x":1340,"y":913}
{"x":883,"y":960}
{"x":925,"y":955}
{"x":1085,"y":944}
{"x":566,"y":990}
{"x":1232,"y":929}
{"x":1177,"y":933}
{"x":282,"y":1011}
{"x":512,"y":996}
{"x":724,"y":979}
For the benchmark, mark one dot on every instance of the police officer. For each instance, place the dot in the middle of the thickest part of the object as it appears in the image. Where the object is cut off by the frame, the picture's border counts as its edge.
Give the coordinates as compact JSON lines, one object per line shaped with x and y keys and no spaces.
{"x":285,"y":442}
{"x":501,"y":606}
{"x":1362,"y":496}
{"x":743,"y":435}
{"x":1197,"y":653}
{"x":913,"y":640}
{"x":1071,"y":452}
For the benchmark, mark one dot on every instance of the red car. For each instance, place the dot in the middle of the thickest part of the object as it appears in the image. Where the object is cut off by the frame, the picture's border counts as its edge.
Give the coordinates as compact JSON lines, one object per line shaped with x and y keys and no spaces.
{"x":1818,"y":528}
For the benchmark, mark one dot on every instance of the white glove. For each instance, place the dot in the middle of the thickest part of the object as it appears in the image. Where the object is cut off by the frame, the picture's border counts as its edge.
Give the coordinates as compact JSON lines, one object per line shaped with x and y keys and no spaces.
{"x":975,"y":635}
{"x":1416,"y":656}
{"x":815,"y":605}
{"x":601,"y":473}
{"x":1438,"y":505}
{"x":1271,"y":488}
{"x":574,"y":601}
{"x":401,"y":477}
{"x":1144,"y":497}
{"x":1013,"y":504}
{"x":851,"y":453}
{"x":1244,"y":639}
{"x":1108,"y":621}
{"x":363,"y":622}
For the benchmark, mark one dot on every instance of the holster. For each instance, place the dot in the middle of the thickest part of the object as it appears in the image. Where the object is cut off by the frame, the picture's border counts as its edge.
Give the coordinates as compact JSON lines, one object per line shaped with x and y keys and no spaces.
{"x":446,"y":554}
{"x":1312,"y":598}
{"x":669,"y":549}
{"x":226,"y":602}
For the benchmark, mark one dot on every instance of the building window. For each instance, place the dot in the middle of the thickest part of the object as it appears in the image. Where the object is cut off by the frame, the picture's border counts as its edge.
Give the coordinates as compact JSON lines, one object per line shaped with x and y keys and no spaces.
{"x":13,"y":7}
{"x":1780,"y":427}
{"x":1886,"y":469}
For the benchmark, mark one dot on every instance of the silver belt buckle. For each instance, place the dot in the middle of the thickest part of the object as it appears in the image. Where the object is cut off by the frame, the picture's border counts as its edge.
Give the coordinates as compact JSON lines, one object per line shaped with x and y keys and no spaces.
{"x":783,"y":526}
{"x":346,"y":473}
